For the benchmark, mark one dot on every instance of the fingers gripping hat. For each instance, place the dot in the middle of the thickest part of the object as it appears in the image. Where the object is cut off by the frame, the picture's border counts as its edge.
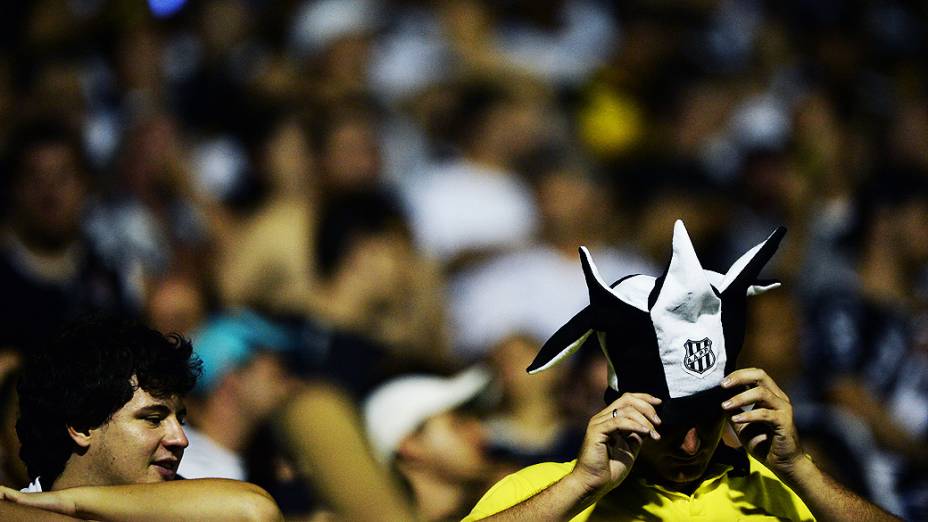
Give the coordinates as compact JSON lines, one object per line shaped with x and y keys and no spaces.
{"x":674,"y":336}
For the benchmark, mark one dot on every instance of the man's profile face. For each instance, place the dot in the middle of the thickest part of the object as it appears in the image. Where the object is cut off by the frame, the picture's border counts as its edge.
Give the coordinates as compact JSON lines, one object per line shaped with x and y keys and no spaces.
{"x":143,"y":442}
{"x":450,"y":443}
{"x":683,"y":452}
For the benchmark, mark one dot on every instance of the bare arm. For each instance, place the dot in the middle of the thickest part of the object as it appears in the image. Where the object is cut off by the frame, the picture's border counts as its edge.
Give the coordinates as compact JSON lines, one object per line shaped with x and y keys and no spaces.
{"x":778,"y":447}
{"x":563,"y":500}
{"x":610,"y":447}
{"x":178,"y":500}
{"x":827,"y":499}
{"x":324,"y":433}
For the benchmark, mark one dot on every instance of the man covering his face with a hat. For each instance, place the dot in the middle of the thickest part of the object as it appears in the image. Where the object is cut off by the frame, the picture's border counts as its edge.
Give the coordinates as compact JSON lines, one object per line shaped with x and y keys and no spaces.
{"x":654,"y":452}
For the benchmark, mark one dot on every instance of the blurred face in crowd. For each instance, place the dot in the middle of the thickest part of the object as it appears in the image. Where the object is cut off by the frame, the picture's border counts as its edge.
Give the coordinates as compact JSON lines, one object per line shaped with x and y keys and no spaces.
{"x":223,"y":24}
{"x":49,"y":196}
{"x":139,"y":61}
{"x":287,"y":159}
{"x":345,"y":61}
{"x":508,"y":131}
{"x":351,"y":157}
{"x":377,"y":264}
{"x":683,"y":452}
{"x":450,"y":445}
{"x":510,"y":358}
{"x":574,"y":207}
{"x":143,"y":442}
{"x":911,"y":219}
{"x":262,"y":384}
{"x":175,"y":305}
{"x":147,"y":159}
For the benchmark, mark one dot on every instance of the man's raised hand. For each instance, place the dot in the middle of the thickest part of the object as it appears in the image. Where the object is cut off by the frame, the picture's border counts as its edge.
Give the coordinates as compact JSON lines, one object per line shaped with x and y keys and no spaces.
{"x":768,"y":430}
{"x":612,"y":441}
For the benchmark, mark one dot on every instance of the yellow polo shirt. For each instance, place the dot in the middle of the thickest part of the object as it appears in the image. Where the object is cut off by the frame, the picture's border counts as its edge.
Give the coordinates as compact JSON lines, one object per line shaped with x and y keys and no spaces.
{"x":735,"y":487}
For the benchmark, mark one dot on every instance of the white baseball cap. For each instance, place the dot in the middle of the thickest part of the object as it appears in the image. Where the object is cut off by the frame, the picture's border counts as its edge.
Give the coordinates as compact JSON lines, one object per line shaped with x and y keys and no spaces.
{"x":397,"y":409}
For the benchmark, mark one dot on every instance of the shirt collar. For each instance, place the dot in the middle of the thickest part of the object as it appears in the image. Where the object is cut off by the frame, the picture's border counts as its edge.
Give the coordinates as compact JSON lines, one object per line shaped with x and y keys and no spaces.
{"x":725,"y":460}
{"x":737,"y":458}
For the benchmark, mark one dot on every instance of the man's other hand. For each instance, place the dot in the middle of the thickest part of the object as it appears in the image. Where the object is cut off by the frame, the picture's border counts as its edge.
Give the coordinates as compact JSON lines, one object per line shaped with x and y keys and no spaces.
{"x":768,"y":430}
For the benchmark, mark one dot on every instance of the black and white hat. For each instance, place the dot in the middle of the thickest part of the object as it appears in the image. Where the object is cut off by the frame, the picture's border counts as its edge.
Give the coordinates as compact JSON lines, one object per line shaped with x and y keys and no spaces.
{"x":674,"y":336}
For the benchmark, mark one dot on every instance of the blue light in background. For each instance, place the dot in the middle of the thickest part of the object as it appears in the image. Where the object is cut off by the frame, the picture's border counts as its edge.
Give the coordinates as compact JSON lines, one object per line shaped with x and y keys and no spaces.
{"x":165,"y":7}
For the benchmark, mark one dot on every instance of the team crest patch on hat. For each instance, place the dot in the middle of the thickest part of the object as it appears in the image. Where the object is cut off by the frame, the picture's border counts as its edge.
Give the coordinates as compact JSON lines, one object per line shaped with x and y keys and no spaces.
{"x":699,"y":357}
{"x":680,"y":332}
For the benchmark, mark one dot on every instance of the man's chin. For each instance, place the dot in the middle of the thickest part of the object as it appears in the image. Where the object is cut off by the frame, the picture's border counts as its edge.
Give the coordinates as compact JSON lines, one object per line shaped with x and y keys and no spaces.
{"x":685,"y":473}
{"x":160,"y":473}
{"x":682,"y":478}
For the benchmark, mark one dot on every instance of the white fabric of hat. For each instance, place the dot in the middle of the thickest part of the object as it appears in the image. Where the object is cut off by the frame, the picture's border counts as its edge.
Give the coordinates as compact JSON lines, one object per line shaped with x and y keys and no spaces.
{"x":687,"y":318}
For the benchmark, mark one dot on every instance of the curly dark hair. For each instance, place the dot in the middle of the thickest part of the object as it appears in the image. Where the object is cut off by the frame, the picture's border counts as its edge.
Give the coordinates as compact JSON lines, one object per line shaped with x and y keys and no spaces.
{"x":85,"y":375}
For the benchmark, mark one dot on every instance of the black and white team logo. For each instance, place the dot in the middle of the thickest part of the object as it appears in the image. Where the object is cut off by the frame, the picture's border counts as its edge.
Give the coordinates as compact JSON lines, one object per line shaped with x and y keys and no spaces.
{"x":699,"y":356}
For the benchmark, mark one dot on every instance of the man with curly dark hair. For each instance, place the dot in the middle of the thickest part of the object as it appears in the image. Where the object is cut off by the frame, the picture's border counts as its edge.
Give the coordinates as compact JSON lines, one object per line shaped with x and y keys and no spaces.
{"x":103,"y":404}
{"x":101,"y":430}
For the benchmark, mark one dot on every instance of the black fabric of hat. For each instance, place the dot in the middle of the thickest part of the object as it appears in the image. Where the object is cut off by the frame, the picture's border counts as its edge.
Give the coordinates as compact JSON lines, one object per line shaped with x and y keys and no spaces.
{"x":674,"y":336}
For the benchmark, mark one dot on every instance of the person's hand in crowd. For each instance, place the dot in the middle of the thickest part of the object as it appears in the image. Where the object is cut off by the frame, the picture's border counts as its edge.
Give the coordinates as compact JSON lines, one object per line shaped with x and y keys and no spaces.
{"x":612,"y":441}
{"x":47,"y":501}
{"x":767,"y":431}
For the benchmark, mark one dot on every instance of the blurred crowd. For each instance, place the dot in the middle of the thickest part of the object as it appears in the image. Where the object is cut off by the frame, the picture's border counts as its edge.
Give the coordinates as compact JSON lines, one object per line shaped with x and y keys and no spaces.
{"x":366,"y":215}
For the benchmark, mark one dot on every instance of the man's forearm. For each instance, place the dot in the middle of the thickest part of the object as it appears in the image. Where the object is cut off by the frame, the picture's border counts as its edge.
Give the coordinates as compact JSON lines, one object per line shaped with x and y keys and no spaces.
{"x":561,"y":501}
{"x":203,"y":499}
{"x":828,"y":500}
{"x":323,"y":430}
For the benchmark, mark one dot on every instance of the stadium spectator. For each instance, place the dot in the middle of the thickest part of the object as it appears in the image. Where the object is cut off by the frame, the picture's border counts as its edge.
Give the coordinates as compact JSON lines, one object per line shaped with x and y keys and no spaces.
{"x":532,"y":290}
{"x":101,"y":430}
{"x":264,"y":249}
{"x":656,"y":450}
{"x":862,"y":352}
{"x":527,"y":426}
{"x":244,"y":380}
{"x":421,"y":427}
{"x":377,"y":305}
{"x":176,"y":303}
{"x":474,"y":203}
{"x":252,"y":418}
{"x":49,"y":271}
{"x":148,"y":222}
